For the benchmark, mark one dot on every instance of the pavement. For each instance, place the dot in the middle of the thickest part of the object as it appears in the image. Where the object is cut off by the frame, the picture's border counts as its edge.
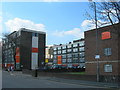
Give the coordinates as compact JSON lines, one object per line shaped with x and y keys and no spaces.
{"x":87,"y":83}
{"x":114,"y":86}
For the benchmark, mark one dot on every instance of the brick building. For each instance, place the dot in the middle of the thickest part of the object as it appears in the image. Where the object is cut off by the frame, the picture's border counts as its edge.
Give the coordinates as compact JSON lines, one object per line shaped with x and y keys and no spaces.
{"x":108,"y":49}
{"x":24,"y":49}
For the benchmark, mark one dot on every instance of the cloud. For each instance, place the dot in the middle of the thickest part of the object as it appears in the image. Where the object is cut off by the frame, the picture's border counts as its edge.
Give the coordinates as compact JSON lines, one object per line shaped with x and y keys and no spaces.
{"x":87,"y":25}
{"x":76,"y":32}
{"x":17,"y":23}
{"x":79,"y":32}
{"x":90,"y":24}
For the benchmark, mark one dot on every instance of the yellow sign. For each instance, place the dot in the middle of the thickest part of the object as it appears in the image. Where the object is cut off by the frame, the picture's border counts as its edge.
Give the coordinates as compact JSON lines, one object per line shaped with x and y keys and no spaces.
{"x":46,"y":60}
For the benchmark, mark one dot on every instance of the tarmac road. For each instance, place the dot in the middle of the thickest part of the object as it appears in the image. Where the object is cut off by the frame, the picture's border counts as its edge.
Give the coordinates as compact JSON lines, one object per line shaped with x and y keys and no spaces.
{"x":19,"y":80}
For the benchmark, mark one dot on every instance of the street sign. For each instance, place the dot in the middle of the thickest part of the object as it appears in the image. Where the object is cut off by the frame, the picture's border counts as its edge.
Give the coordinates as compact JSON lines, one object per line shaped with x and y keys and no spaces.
{"x":97,"y":56}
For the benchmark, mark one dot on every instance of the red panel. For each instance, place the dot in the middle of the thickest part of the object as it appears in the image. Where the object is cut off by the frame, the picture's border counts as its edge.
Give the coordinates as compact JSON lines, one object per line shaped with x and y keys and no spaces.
{"x":17,"y":50}
{"x":106,"y":35}
{"x":34,"y":50}
{"x":17,"y":60}
{"x":17,"y":57}
{"x":59,"y":59}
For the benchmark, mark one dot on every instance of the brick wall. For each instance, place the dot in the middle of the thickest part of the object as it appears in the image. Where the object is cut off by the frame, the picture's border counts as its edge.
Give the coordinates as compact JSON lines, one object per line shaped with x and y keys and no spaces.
{"x":90,"y":49}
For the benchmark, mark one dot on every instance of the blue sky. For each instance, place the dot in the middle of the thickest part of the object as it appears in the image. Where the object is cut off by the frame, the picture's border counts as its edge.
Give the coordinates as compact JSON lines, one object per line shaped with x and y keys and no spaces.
{"x":62,"y":21}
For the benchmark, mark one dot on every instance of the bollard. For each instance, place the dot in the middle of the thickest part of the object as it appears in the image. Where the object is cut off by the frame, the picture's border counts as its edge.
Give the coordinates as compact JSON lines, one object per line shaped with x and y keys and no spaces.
{"x":36,"y":73}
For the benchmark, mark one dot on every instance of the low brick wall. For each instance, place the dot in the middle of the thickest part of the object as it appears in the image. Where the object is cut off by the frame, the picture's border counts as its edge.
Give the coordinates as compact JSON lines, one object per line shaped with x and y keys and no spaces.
{"x":73,"y":76}
{"x":68,"y":76}
{"x":110,"y":78}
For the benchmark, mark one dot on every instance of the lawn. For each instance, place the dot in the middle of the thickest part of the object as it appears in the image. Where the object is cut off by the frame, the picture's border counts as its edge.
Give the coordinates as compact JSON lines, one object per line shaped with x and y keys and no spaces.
{"x":76,"y":73}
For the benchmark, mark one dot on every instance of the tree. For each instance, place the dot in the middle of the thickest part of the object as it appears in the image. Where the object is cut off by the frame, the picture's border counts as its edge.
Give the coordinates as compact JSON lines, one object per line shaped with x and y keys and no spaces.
{"x":12,"y":42}
{"x":108,"y":13}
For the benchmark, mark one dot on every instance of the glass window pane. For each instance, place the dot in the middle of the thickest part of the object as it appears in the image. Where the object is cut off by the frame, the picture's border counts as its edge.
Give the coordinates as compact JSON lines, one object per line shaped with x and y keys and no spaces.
{"x":107,"y":68}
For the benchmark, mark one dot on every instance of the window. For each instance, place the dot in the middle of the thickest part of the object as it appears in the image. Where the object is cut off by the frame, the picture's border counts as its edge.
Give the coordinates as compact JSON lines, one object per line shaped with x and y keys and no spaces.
{"x":55,"y":52}
{"x":64,"y":47}
{"x":63,"y":56}
{"x":63,"y":60}
{"x":75,"y":55}
{"x":107,"y":51}
{"x":75,"y":44}
{"x":81,"y":43}
{"x":69,"y":55}
{"x":82,"y":54}
{"x":81,"y":49}
{"x":54,"y":56}
{"x":75,"y":49}
{"x":69,"y":50}
{"x":55,"y":48}
{"x":59,"y":48}
{"x":6,"y":40}
{"x":59,"y":52}
{"x":107,"y":68}
{"x":82,"y":60}
{"x":63,"y":51}
{"x":54,"y":61}
{"x":75,"y":60}
{"x":69,"y":60}
{"x":69,"y":46}
{"x":3,"y":41}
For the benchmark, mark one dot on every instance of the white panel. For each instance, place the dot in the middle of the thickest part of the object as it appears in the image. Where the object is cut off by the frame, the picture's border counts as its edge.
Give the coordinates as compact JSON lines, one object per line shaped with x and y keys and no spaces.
{"x":35,"y":42}
{"x":34,"y":59}
{"x":34,"y":63}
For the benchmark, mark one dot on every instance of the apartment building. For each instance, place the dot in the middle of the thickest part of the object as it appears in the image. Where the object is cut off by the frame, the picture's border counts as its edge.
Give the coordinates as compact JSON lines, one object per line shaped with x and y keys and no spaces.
{"x":70,"y":55}
{"x":24,"y":49}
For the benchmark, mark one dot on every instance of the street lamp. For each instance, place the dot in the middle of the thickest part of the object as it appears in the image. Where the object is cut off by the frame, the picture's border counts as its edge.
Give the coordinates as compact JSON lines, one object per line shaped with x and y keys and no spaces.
{"x":97,"y":56}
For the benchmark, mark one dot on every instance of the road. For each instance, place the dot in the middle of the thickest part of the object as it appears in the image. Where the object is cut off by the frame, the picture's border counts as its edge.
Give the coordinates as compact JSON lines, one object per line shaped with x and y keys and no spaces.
{"x":19,"y":80}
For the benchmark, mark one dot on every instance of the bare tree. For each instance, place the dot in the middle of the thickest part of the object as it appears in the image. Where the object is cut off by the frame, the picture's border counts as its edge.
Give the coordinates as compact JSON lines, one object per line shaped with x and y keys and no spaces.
{"x":108,"y":13}
{"x":12,"y":42}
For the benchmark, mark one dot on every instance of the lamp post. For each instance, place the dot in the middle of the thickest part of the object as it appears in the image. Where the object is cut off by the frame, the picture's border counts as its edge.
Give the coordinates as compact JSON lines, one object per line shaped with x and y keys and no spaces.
{"x":97,"y":56}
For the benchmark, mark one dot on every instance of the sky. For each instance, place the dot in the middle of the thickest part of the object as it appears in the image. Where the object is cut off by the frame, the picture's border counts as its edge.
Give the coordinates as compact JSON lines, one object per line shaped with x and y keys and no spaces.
{"x":62,"y":21}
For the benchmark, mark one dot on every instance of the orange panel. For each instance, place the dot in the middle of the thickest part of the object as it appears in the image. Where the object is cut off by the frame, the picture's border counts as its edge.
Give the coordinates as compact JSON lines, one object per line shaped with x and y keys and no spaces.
{"x":17,"y":50}
{"x":106,"y":35}
{"x":17,"y":57}
{"x":59,"y":59}
{"x":34,"y":50}
{"x":17,"y":60}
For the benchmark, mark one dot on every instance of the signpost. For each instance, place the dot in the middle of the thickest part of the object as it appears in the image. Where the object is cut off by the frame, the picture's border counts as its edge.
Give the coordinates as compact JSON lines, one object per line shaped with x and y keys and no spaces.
{"x":97,"y":57}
